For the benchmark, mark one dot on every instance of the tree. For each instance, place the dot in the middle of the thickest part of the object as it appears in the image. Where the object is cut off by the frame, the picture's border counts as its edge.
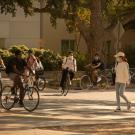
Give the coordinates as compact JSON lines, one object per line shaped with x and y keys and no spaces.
{"x":10,"y":6}
{"x":88,"y":16}
{"x":85,"y":16}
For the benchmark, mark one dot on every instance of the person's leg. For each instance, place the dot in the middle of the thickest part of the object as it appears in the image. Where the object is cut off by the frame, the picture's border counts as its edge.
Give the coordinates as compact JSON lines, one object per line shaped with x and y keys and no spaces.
{"x":117,"y":87}
{"x":94,"y":76}
{"x":122,"y":90}
{"x":20,"y":85}
{"x":12,"y":76}
{"x":72,"y":74}
{"x":64,"y":77}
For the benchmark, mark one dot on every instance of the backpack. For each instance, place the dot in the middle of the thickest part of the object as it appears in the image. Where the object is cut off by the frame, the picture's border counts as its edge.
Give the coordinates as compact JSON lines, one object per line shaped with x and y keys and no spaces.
{"x":73,"y":62}
{"x":102,"y":66}
{"x":40,"y":69}
{"x":9,"y":67}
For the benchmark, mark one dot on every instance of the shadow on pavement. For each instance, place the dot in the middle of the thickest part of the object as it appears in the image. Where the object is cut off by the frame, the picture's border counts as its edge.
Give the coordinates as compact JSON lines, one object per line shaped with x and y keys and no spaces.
{"x":81,"y":116}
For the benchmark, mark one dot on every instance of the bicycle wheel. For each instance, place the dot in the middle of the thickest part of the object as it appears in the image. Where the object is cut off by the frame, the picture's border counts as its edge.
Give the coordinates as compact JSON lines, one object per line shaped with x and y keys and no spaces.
{"x":31,"y":99}
{"x":7,"y":98}
{"x":103,"y":83}
{"x":85,"y":82}
{"x":41,"y":83}
{"x":67,"y":85}
{"x":0,"y":86}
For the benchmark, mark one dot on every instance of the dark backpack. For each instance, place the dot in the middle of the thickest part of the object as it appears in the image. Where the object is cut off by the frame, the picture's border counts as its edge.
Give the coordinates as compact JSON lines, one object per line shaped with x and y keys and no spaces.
{"x":9,"y":67}
{"x":102,"y":67}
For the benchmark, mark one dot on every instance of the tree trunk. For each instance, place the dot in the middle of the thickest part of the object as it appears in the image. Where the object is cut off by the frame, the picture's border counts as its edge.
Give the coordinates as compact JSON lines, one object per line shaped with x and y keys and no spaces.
{"x":95,"y":38}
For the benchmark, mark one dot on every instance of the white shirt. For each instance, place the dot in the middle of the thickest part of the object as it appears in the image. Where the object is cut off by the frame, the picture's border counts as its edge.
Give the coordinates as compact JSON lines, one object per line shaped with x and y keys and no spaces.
{"x":122,"y":73}
{"x":69,"y":62}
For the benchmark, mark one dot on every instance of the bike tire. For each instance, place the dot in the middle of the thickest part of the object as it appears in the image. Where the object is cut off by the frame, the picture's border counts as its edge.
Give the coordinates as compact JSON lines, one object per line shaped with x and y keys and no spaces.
{"x":67,"y":86}
{"x":66,"y":89}
{"x":104,"y":83}
{"x":41,"y":83}
{"x":7,"y":98}
{"x":85,"y":82}
{"x":31,"y":99}
{"x":0,"y":86}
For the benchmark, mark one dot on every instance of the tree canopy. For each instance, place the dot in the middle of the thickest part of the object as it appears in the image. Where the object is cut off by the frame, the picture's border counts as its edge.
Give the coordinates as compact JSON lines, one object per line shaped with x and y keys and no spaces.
{"x":89,"y":17}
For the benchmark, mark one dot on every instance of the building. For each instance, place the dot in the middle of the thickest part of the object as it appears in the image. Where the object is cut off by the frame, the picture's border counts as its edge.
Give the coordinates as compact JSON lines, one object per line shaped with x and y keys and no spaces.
{"x":19,"y":30}
{"x":37,"y":31}
{"x":59,"y":39}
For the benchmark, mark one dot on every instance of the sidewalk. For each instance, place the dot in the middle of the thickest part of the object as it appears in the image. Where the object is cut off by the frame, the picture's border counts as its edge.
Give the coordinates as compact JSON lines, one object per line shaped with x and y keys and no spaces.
{"x":79,"y":113}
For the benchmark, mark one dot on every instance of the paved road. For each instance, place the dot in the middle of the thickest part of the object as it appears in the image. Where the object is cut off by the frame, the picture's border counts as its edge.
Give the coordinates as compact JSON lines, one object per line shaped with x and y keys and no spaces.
{"x":79,"y":113}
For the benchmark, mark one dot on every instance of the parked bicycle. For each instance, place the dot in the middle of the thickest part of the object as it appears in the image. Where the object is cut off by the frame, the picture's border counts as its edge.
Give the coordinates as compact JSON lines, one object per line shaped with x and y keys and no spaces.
{"x":30,"y":100}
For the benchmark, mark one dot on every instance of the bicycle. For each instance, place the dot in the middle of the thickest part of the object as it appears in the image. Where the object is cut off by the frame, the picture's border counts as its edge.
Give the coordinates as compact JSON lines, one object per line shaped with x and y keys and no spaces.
{"x":87,"y":83}
{"x":30,"y":100}
{"x":1,"y":69}
{"x":67,"y":85}
{"x":38,"y":81}
{"x":132,"y":77}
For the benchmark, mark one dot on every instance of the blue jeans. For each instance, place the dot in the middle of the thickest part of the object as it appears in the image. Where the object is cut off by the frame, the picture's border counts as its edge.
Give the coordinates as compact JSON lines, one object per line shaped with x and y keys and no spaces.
{"x":120,"y":89}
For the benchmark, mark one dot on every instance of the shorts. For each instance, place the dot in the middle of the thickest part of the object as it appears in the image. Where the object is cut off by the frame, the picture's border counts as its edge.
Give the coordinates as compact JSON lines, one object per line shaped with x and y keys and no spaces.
{"x":12,"y":76}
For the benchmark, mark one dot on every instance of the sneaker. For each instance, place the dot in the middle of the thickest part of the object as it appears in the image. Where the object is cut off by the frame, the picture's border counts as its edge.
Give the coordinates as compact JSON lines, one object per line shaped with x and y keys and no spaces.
{"x":128,"y":106}
{"x":117,"y":110}
{"x":70,"y":83}
{"x":99,"y":79}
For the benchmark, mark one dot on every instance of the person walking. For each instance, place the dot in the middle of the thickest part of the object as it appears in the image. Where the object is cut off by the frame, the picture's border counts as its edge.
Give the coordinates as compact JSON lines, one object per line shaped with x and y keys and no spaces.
{"x":122,"y":79}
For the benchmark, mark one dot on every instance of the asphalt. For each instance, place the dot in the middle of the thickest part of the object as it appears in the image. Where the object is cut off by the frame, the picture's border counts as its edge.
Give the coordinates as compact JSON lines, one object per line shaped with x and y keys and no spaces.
{"x":81,"y":112}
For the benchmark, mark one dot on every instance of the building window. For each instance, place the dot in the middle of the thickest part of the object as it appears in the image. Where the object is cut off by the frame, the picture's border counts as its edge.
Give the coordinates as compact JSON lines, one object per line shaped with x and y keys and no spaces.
{"x":2,"y":43}
{"x":67,"y":45}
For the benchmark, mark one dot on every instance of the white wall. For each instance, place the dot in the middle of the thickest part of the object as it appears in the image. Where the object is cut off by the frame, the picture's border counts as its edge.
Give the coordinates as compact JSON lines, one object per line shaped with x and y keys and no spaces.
{"x":20,"y":29}
{"x":52,"y":37}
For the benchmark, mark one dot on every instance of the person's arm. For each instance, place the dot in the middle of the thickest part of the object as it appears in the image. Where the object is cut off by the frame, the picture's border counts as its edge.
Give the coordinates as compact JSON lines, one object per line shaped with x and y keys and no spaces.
{"x":89,"y":65}
{"x":2,"y":64}
{"x":75,"y":65}
{"x":126,"y":73}
{"x":64,"y":62}
{"x":98,"y":65}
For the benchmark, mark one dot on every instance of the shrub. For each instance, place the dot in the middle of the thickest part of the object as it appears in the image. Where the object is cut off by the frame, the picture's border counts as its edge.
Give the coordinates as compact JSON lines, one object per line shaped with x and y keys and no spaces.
{"x":50,"y":60}
{"x":82,"y":60}
{"x":130,"y":51}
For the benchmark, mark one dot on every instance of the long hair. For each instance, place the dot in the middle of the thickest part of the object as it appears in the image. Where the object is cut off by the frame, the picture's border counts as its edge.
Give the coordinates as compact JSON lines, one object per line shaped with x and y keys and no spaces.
{"x":124,"y":59}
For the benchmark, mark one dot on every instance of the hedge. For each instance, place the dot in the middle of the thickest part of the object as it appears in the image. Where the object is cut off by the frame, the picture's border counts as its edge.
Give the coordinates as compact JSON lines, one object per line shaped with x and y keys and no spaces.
{"x":51,"y":61}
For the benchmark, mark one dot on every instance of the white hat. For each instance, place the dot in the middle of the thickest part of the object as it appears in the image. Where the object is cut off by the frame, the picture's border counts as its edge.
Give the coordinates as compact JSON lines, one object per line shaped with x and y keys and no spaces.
{"x":119,"y":54}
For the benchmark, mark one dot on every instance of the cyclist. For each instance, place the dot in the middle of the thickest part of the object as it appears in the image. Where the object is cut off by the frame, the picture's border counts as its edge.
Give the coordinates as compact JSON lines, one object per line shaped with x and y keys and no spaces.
{"x":31,"y":60}
{"x":15,"y":68}
{"x":2,"y":65}
{"x":96,"y":66}
{"x":68,"y":66}
{"x":31,"y":64}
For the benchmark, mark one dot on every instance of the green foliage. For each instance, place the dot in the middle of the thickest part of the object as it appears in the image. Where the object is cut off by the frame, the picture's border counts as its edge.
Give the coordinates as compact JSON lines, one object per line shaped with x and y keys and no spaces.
{"x":10,"y":6}
{"x":116,"y":8}
{"x":130,"y":51}
{"x":22,"y":48}
{"x":82,"y":60}
{"x":50,"y":60}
